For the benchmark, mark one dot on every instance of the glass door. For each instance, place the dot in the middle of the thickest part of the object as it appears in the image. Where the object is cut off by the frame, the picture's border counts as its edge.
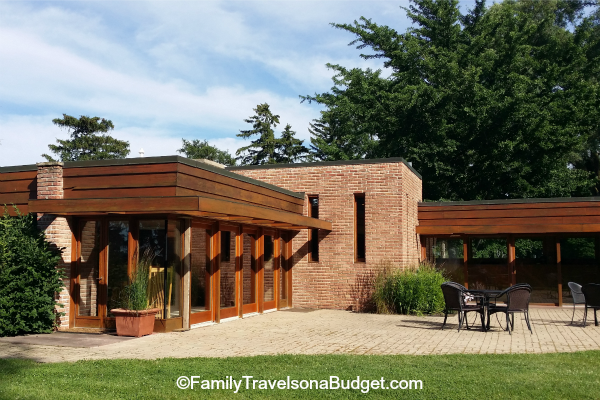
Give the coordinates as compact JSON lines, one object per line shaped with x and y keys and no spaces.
{"x":228,"y":272}
{"x":90,"y":275}
{"x":117,"y":266}
{"x":102,"y":271}
{"x":249,"y":273}
{"x":269,"y":271}
{"x":201,"y":275}
{"x":284,"y":276}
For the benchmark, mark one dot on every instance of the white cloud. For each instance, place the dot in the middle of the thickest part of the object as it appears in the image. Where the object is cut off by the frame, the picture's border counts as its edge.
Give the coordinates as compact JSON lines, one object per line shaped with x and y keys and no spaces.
{"x":162,"y":71}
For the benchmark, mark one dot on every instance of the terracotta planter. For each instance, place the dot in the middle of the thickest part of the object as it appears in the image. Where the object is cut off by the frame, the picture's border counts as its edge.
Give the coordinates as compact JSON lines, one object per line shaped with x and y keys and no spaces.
{"x":135,"y":323}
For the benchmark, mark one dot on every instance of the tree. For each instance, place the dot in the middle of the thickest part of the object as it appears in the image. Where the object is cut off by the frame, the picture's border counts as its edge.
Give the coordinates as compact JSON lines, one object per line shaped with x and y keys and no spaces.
{"x":29,"y":278}
{"x":201,"y":149}
{"x":497,"y":103}
{"x":288,"y":148}
{"x":262,"y":150}
{"x":85,"y":142}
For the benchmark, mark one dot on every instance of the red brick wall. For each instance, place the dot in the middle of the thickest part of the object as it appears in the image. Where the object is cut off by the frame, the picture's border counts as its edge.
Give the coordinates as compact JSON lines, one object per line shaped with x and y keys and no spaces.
{"x":392,"y":192}
{"x":57,"y":229}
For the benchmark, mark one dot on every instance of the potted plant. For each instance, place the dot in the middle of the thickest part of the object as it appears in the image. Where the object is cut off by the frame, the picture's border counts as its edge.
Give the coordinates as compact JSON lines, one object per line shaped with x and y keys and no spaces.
{"x":135,"y":317}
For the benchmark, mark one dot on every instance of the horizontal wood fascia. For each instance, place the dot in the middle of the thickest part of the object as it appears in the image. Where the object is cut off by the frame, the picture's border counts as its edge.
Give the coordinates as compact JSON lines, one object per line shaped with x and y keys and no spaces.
{"x":511,"y":206}
{"x":120,"y":193}
{"x":9,"y":198}
{"x":506,"y":229}
{"x":19,"y":185}
{"x":17,"y":176}
{"x":139,"y":204}
{"x":569,"y":220}
{"x":257,"y":212}
{"x":117,"y":170}
{"x":513,"y":213}
{"x":208,"y":175}
{"x":199,"y":206}
{"x":120,"y":181}
{"x":204,"y":185}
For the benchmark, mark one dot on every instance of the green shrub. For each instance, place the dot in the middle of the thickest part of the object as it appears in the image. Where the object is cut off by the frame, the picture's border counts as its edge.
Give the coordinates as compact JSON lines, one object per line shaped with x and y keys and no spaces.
{"x":29,"y":277}
{"x":413,"y":290}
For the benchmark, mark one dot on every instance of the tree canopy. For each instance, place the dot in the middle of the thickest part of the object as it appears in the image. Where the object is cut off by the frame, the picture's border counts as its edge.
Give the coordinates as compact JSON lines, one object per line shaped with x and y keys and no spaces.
{"x":88,"y":141}
{"x":499,"y":102}
{"x":201,"y":149}
{"x":267,"y":149}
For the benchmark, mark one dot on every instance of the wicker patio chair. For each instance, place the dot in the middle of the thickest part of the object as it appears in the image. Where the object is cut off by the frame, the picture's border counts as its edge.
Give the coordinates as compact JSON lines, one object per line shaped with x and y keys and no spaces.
{"x":517,"y":301}
{"x":578,"y":297}
{"x":454,"y":296}
{"x":591,"y":292}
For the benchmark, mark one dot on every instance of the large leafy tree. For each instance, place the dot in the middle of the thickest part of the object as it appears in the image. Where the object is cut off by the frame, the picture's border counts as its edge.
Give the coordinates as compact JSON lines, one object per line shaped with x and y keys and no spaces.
{"x":201,"y":149}
{"x":500,"y":102}
{"x":89,"y":140}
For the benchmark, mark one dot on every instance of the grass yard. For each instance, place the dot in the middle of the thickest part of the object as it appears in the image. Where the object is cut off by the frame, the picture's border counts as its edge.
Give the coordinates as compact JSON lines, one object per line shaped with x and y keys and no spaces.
{"x":518,"y":376}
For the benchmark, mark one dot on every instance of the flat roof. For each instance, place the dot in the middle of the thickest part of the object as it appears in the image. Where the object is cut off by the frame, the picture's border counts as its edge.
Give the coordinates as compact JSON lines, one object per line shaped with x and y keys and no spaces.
{"x":330,"y":163}
{"x":160,"y":160}
{"x":509,"y":201}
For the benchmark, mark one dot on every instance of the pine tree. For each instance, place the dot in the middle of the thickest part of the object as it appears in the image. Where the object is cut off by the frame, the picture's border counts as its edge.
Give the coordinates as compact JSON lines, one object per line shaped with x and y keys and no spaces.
{"x":201,"y":149}
{"x":85,"y":142}
{"x":289,"y":149}
{"x":262,"y":150}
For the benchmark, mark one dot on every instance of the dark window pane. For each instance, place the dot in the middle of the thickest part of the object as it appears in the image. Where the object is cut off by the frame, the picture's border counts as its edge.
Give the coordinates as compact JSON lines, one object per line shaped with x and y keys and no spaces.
{"x":360,"y":228}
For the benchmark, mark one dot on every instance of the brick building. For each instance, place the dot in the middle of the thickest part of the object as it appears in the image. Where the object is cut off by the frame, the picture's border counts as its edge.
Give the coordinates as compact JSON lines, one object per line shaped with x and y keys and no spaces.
{"x":221,"y":243}
{"x":390,"y":190}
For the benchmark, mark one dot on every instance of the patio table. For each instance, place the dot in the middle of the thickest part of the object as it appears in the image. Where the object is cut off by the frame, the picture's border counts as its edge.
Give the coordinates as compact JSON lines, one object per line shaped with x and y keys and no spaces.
{"x":486,"y":295}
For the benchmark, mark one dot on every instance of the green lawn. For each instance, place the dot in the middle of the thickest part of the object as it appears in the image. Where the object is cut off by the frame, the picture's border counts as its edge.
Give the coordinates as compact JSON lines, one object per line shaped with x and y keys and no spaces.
{"x":545,"y":376}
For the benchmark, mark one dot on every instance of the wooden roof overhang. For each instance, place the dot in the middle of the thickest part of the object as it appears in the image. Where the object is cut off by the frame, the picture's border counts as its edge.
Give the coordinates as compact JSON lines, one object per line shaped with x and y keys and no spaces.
{"x":522,"y":216}
{"x":191,"y":206}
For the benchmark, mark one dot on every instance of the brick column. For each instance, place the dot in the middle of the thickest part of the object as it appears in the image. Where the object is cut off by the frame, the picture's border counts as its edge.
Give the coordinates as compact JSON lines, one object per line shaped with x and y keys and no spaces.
{"x":57,"y":229}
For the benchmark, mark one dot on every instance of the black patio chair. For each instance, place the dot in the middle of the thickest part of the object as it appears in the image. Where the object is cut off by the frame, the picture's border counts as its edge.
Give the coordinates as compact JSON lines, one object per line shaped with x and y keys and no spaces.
{"x":591,"y":292}
{"x":454,"y":296}
{"x":578,"y":297}
{"x":517,"y":301}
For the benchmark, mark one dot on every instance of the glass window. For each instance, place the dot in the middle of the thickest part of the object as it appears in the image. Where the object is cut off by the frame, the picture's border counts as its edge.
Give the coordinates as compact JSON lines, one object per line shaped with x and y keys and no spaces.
{"x":227,"y":268}
{"x":200,"y":270}
{"x":118,"y":240}
{"x":359,"y":227}
{"x":535,"y":264}
{"x":249,"y":268}
{"x":493,"y":249}
{"x":173,"y":284}
{"x":283,"y":270}
{"x":313,"y":233}
{"x":151,"y":257}
{"x":447,"y":255}
{"x":579,"y":263}
{"x":89,"y":268}
{"x":269,"y":270}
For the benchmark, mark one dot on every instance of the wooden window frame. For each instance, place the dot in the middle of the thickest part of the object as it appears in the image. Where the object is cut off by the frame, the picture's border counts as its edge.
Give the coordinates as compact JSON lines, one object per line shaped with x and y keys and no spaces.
{"x":356,"y":233}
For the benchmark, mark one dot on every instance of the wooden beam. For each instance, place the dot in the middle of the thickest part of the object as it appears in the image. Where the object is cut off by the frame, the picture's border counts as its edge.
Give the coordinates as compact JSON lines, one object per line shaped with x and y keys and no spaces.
{"x":186,"y":205}
{"x":507,"y":229}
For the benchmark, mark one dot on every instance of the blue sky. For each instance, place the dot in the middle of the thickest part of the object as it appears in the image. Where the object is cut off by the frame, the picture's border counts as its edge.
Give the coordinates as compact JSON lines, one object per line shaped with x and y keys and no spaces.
{"x":163,"y":71}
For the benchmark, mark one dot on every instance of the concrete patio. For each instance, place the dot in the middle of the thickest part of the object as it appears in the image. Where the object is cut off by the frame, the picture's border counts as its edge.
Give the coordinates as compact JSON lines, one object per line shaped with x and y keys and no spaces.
{"x":298,"y":331}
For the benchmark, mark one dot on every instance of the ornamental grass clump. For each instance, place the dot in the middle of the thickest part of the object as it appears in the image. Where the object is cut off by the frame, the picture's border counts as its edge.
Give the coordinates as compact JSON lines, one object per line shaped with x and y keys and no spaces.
{"x":413,"y":290}
{"x":135,"y":295}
